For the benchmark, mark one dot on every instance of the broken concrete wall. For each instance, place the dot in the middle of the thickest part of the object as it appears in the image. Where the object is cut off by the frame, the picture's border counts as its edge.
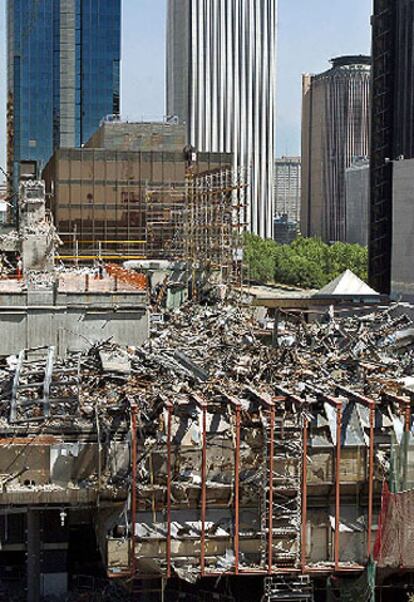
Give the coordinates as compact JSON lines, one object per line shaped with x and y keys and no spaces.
{"x":49,"y":465}
{"x":70,"y":322}
{"x":37,"y":234}
{"x":38,"y":252}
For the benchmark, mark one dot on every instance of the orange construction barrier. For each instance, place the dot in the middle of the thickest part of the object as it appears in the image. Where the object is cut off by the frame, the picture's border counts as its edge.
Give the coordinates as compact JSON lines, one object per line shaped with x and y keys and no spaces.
{"x":138,"y":281}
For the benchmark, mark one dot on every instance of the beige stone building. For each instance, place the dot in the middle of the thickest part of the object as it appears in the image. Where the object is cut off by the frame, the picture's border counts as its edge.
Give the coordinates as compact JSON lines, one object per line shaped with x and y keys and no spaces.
{"x":335,"y":131}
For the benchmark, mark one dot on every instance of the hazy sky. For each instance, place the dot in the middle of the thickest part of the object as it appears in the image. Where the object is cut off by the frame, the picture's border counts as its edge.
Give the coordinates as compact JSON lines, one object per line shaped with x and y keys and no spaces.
{"x":310,"y":33}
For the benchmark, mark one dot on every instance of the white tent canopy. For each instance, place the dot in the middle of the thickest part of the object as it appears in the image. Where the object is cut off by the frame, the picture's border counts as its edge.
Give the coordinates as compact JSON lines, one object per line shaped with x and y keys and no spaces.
{"x":347,"y":285}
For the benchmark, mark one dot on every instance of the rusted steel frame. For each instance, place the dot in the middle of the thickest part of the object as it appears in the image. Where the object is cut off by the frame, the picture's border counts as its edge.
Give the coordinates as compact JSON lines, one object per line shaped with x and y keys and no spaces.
{"x":410,"y":395}
{"x":269,"y":405}
{"x":170,"y":409}
{"x":371,"y":478}
{"x":204,"y":494}
{"x":134,"y":473}
{"x":337,"y":404}
{"x":236,"y":404}
{"x":337,"y":482}
{"x":371,"y":405}
{"x":271,"y":469}
{"x":203,"y":406}
{"x":304,"y":493}
{"x":237,"y":492}
{"x":407,"y":414}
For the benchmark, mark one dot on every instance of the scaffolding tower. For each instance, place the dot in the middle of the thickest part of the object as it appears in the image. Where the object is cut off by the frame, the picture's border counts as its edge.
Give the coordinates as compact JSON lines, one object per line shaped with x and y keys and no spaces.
{"x":201,"y":223}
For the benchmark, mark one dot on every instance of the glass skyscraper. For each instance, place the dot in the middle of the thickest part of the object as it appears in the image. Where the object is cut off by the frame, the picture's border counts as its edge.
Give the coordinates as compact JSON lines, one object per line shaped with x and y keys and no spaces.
{"x":221,"y":82}
{"x":63,"y":74}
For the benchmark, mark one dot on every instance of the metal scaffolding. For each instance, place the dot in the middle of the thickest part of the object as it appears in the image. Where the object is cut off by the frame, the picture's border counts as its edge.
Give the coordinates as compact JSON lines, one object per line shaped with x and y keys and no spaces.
{"x":201,"y":223}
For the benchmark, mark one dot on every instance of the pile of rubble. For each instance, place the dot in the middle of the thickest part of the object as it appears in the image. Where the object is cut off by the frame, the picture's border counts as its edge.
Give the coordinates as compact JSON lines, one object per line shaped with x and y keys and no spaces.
{"x":197,"y":349}
{"x":221,"y":345}
{"x":367,"y":353}
{"x":201,"y":391}
{"x":214,"y":354}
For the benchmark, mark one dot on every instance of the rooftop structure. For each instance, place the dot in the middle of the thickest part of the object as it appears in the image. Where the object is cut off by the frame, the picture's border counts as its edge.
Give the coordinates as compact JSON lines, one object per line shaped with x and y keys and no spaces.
{"x":144,"y":137}
{"x":353,"y":61}
{"x":347,"y":284}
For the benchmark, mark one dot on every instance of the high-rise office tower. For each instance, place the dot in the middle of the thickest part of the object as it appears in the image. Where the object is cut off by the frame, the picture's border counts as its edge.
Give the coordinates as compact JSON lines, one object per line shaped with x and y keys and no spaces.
{"x":335,"y":131}
{"x":392,"y":152}
{"x":221,"y":81}
{"x":287,"y":187}
{"x":63,"y":74}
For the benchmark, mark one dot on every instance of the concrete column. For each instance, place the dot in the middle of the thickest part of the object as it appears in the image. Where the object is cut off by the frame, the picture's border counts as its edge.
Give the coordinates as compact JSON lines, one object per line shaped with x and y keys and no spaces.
{"x":33,"y":555}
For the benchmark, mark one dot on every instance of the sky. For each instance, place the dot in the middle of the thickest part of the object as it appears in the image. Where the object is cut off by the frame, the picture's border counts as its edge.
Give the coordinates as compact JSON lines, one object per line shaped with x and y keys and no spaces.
{"x":311,"y":32}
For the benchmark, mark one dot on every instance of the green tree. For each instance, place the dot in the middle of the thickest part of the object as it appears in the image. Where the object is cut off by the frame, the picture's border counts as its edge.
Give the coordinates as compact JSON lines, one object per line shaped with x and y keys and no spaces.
{"x":352,"y":257}
{"x":259,"y":257}
{"x":307,"y":262}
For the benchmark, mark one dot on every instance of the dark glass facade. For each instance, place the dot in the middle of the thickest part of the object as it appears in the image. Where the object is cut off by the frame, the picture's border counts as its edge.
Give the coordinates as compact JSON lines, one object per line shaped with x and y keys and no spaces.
{"x":63,"y":74}
{"x":100,"y":62}
{"x":392,"y":125}
{"x":31,"y":55}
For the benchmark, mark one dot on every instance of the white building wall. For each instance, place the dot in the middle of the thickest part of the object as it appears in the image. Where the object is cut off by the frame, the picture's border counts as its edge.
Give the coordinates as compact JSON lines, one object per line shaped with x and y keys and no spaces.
{"x":223,"y":53}
{"x":402,"y":262}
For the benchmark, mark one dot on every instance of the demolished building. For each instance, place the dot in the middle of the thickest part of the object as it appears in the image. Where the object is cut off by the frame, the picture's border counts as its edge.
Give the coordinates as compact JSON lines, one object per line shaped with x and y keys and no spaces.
{"x":203,"y":454}
{"x":43,"y":303}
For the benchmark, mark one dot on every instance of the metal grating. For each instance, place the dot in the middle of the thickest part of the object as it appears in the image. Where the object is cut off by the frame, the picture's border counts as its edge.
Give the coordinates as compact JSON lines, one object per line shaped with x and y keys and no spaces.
{"x":288,"y":588}
{"x":42,"y":387}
